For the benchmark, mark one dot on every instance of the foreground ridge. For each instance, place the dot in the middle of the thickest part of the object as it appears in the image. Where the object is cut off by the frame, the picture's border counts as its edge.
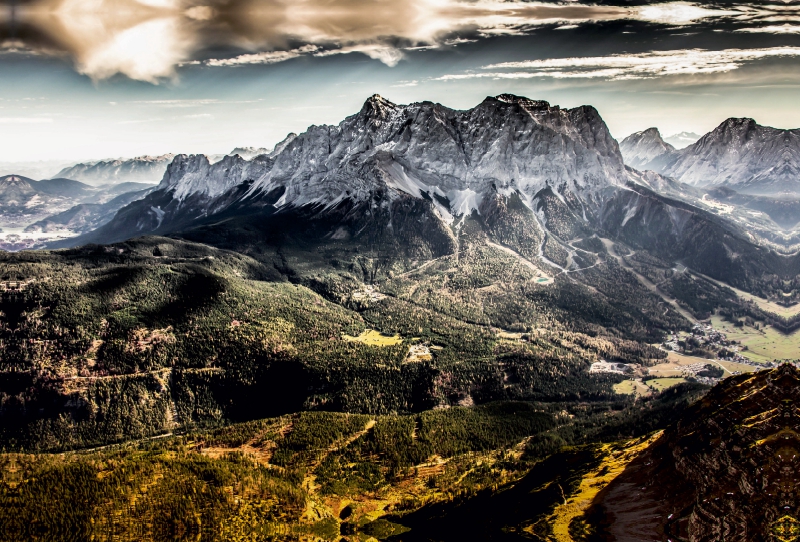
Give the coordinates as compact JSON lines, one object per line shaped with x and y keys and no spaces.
{"x":728,"y":470}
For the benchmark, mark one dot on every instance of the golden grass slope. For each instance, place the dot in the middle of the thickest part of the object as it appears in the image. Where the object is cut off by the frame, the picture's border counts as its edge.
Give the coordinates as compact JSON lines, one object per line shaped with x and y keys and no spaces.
{"x":616,"y":458}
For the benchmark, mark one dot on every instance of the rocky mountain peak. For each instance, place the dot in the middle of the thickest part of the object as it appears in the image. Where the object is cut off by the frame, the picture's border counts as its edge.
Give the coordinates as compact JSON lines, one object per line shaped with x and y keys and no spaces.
{"x":280,"y":147}
{"x":682,"y":140}
{"x":732,"y":130}
{"x":641,"y":149}
{"x":742,"y":154}
{"x":378,"y":107}
{"x":16,"y":180}
{"x":15,"y":187}
{"x":651,"y":133}
{"x":148,"y":169}
{"x":249,"y":152}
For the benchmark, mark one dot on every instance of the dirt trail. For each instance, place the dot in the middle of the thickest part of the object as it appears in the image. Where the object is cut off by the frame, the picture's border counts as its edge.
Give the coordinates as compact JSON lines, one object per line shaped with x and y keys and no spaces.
{"x":609,"y":244}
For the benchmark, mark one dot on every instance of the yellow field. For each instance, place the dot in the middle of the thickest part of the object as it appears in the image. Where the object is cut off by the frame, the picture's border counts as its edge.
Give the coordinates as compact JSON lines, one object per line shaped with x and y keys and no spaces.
{"x":631,"y":387}
{"x":375,"y":338}
{"x":763,"y":345}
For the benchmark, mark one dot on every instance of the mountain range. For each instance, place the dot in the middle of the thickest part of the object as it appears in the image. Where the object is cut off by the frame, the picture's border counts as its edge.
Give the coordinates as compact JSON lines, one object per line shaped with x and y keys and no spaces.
{"x":142,"y":169}
{"x":682,"y":139}
{"x":401,"y":179}
{"x":739,"y":154}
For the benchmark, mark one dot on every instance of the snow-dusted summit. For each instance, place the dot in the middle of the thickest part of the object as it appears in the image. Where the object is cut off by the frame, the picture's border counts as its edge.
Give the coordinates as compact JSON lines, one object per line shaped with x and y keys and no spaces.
{"x":641,"y":148}
{"x":506,"y":143}
{"x":248,"y":153}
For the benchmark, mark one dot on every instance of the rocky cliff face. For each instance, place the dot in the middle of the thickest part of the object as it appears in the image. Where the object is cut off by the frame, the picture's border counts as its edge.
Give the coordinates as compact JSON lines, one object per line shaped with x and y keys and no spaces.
{"x":512,"y":143}
{"x":728,"y":470}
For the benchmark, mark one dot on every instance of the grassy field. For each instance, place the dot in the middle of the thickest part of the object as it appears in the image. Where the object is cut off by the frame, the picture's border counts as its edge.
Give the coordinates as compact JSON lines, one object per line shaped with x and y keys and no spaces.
{"x":732,"y":367}
{"x":763,"y":345}
{"x":375,"y":338}
{"x":631,"y":387}
{"x":673,"y":366}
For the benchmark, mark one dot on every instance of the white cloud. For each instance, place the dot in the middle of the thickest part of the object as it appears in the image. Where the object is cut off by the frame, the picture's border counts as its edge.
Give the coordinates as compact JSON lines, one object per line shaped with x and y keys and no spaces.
{"x":630,"y":66}
{"x":269,"y":57}
{"x":386,"y":54}
{"x":401,"y":84}
{"x":772,"y":29}
{"x":676,"y":13}
{"x":177,"y":103}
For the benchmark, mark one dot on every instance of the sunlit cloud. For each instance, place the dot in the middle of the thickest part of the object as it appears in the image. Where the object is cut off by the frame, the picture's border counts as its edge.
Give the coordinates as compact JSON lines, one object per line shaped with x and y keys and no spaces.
{"x":149,"y":40}
{"x":386,"y":54}
{"x":268,"y":57}
{"x":679,"y":13}
{"x":630,"y":66}
{"x":147,"y":52}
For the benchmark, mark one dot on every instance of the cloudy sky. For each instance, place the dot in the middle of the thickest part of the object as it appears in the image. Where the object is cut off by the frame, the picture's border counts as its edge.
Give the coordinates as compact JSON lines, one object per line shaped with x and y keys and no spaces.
{"x":90,"y":79}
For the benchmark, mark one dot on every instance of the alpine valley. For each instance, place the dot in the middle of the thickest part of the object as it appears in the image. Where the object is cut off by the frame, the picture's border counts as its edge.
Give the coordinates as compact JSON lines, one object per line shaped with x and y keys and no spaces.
{"x":420,"y":324}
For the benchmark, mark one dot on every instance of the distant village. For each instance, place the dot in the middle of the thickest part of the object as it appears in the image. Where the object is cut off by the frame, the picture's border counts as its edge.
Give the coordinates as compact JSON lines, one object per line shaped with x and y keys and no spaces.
{"x":703,"y":341}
